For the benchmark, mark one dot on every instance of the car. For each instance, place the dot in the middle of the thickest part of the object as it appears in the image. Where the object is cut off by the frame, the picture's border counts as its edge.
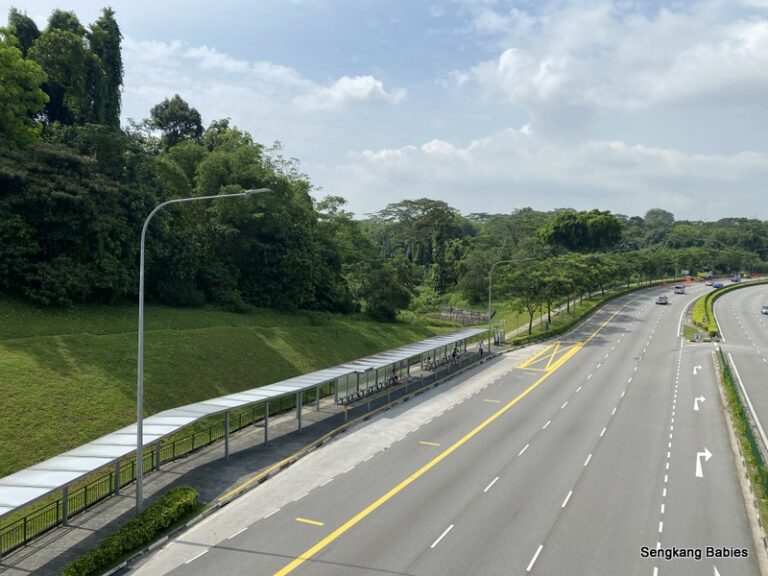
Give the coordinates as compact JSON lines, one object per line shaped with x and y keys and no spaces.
{"x":736,"y":278}
{"x":764,"y":309}
{"x":708,"y":282}
{"x":679,"y":289}
{"x":662,"y":300}
{"x":717,"y":285}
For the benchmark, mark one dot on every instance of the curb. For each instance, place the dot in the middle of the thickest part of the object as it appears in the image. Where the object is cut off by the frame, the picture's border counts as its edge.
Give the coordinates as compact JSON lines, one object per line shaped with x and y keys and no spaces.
{"x":753,"y":511}
{"x":261,"y":477}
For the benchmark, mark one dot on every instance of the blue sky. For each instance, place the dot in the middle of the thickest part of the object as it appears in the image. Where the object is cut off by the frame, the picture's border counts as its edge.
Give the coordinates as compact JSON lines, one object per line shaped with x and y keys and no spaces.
{"x":490,"y":105}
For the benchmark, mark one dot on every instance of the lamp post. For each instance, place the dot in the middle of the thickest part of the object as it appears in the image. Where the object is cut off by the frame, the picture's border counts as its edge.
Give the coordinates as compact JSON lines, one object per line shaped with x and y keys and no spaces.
{"x":140,"y":368}
{"x":490,"y":283}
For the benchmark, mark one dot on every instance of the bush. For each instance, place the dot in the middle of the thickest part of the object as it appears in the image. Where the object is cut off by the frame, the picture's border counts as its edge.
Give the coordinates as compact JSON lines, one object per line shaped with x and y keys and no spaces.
{"x":138,"y":532}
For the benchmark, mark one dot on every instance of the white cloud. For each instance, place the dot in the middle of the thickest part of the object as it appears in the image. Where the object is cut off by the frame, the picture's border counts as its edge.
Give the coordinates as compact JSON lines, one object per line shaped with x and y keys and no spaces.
{"x":212,"y":80}
{"x":599,"y":55}
{"x":514,"y":168}
{"x":347,"y":90}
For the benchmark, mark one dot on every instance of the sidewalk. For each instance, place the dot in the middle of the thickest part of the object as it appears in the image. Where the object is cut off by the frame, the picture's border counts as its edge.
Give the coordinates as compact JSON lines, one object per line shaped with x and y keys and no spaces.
{"x":209,"y":472}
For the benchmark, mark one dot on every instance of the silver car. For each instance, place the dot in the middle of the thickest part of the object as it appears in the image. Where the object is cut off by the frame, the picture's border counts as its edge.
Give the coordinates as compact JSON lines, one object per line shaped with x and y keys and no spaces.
{"x":764,"y":309}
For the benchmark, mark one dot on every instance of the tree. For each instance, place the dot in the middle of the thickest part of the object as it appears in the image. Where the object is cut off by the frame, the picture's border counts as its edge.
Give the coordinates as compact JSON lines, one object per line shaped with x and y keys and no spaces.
{"x":65,"y":60}
{"x":24,"y":29}
{"x":658,"y":218}
{"x":382,"y":291}
{"x":104,"y":39}
{"x":583,"y":231}
{"x":21,"y":97}
{"x":176,"y":120}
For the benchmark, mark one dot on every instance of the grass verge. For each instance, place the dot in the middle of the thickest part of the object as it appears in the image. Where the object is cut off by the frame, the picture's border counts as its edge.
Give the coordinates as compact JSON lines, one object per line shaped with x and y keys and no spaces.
{"x":753,"y":456}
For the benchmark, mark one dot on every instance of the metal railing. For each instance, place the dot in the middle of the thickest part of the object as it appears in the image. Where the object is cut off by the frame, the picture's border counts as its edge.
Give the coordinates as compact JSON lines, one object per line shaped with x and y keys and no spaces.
{"x":19,"y":532}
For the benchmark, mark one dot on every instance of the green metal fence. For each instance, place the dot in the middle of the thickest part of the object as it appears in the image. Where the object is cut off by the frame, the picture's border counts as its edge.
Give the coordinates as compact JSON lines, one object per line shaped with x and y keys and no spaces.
{"x":44,"y":517}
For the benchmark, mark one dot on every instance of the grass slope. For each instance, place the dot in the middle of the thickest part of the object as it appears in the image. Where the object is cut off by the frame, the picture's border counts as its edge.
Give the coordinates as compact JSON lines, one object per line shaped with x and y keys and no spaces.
{"x":69,"y":376}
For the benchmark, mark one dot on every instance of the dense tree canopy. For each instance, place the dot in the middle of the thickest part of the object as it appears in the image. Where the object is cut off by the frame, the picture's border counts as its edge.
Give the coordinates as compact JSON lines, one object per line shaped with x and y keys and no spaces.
{"x":75,"y":188}
{"x":21,"y":96}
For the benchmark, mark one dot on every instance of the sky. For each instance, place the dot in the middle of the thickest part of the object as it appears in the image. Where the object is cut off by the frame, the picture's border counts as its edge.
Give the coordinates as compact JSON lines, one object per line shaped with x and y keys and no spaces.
{"x":489,"y":105}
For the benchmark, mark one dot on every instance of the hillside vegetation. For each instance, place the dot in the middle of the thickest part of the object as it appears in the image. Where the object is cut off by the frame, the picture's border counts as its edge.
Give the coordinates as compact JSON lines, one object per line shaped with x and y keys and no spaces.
{"x":69,"y":376}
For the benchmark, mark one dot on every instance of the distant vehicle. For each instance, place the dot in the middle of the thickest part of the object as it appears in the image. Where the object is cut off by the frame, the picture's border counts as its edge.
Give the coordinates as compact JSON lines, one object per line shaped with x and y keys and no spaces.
{"x":662,"y":300}
{"x":764,"y":309}
{"x":708,"y":282}
{"x":736,"y":278}
{"x":717,"y":285}
{"x":679,"y":289}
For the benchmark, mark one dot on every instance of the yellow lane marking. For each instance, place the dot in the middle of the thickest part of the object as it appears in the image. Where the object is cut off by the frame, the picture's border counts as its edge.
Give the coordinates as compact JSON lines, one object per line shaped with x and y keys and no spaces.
{"x":428,"y":443}
{"x":535,"y":357}
{"x":357,"y":518}
{"x":308,"y":521}
{"x":491,"y":401}
{"x":557,"y":347}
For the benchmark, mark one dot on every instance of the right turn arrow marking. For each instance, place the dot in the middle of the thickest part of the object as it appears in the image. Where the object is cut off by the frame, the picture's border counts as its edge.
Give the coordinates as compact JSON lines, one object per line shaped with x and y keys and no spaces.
{"x":707,"y":455}
{"x":696,"y":402}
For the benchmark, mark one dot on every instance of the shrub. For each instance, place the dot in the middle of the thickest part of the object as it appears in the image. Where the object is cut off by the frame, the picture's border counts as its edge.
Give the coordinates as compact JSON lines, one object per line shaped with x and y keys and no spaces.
{"x":139,"y":531}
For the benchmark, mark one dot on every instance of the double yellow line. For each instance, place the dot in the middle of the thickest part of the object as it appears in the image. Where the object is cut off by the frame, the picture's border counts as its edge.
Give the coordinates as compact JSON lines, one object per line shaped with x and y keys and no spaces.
{"x":357,"y":518}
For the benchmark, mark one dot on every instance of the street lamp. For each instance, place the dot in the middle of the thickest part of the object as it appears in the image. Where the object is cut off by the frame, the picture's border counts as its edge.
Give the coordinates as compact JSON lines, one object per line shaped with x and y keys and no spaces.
{"x":490,"y":283}
{"x":140,"y":371}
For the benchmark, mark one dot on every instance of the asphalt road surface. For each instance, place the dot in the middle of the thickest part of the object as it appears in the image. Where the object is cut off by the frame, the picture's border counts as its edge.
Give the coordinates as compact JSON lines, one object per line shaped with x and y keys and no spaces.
{"x":595,"y":455}
{"x":745,"y":341}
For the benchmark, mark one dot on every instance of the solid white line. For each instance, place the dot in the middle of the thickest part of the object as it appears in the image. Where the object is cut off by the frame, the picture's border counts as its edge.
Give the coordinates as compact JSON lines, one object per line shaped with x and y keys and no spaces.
{"x":566,"y":499}
{"x":369,"y":457}
{"x":523,"y":450}
{"x":196,"y":557}
{"x":275,"y":511}
{"x":547,"y":424}
{"x":436,"y":542}
{"x":588,"y":459}
{"x":491,"y":484}
{"x":603,"y":432}
{"x":564,"y":405}
{"x":749,"y":402}
{"x":238,"y":533}
{"x":533,"y":560}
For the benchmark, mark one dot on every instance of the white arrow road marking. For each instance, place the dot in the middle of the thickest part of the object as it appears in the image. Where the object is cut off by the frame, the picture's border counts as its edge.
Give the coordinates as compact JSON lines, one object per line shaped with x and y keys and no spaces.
{"x":707,"y":455}
{"x":696,"y":402}
{"x":716,"y":572}
{"x":696,"y":370}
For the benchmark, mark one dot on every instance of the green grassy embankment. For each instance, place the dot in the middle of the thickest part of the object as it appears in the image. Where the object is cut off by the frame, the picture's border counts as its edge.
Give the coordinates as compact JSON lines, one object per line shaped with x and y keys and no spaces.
{"x":69,"y":376}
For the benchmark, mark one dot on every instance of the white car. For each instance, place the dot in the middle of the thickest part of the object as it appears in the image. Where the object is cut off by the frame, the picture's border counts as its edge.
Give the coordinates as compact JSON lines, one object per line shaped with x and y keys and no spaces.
{"x":764,"y":309}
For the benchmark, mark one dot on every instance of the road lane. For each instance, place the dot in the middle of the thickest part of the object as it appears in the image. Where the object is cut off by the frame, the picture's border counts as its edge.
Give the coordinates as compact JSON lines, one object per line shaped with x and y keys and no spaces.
{"x":567,"y":480}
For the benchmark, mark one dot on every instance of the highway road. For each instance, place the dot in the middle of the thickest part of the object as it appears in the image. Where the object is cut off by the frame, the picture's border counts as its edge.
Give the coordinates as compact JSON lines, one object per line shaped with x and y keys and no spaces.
{"x":599,"y":454}
{"x":745,"y":340}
